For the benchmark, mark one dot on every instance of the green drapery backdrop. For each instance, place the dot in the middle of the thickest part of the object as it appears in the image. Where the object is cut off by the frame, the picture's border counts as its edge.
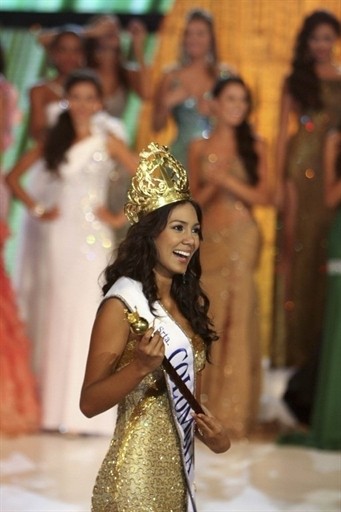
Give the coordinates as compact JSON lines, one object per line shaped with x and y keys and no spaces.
{"x":26,"y":64}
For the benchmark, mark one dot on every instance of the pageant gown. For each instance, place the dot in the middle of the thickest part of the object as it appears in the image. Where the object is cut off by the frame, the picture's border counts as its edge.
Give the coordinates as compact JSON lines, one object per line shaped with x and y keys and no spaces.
{"x":229,"y":257}
{"x":191,"y":124}
{"x":58,"y":276}
{"x":149,"y":466}
{"x":297,"y":331}
{"x":326,"y":417}
{"x":19,"y":406}
{"x":325,"y":426}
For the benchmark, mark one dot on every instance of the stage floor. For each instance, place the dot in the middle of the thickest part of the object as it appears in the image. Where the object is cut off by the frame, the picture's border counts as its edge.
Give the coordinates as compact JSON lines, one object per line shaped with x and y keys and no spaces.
{"x":55,"y":473}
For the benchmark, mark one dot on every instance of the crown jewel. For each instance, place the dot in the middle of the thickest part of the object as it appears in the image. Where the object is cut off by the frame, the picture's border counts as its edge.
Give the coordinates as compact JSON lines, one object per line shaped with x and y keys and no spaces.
{"x":159,"y":180}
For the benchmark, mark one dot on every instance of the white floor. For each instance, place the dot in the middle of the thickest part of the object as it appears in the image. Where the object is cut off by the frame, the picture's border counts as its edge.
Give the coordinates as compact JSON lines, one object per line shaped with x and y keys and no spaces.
{"x":55,"y":473}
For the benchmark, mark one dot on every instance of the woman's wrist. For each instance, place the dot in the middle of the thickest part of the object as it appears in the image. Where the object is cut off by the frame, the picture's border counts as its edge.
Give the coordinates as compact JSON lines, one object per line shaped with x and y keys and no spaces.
{"x":37,"y":210}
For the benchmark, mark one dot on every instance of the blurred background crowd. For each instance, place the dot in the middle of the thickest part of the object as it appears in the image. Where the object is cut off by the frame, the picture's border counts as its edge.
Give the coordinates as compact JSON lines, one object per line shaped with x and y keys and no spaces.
{"x":248,"y":97}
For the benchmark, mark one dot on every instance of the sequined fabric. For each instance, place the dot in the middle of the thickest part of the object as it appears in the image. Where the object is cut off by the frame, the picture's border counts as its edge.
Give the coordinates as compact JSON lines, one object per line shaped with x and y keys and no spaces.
{"x":191,"y":124}
{"x":59,"y":265}
{"x":143,"y":470}
{"x":299,"y":316}
{"x":229,"y":256}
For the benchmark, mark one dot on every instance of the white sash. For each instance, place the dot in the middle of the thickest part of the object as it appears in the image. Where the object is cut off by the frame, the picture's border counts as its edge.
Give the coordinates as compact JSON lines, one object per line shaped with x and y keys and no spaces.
{"x":180,"y":354}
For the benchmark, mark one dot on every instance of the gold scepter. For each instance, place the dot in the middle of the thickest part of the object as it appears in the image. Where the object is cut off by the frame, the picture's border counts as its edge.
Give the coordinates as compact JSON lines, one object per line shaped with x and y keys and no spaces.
{"x":138,"y":326}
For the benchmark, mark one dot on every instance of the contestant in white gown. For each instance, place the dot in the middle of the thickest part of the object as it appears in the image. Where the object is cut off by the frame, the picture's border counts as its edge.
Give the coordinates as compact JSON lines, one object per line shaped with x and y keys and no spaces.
{"x":67,"y":242}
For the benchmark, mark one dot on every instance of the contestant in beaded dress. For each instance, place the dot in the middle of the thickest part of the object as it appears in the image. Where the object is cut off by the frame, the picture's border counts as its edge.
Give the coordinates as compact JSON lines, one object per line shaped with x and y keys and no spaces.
{"x":228,"y":186}
{"x":150,"y":462}
{"x":143,"y":469}
{"x":59,"y":261}
{"x":183,"y":93}
{"x":230,"y":253}
{"x":300,"y":334}
{"x":64,"y":250}
{"x":311,"y":97}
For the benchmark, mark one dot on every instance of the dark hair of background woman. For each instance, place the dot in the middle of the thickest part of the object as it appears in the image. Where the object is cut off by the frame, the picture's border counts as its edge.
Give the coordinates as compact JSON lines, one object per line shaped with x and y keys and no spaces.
{"x":244,"y":133}
{"x":91,"y":46}
{"x":65,"y":31}
{"x":303,"y":82}
{"x":61,"y":136}
{"x":136,"y":258}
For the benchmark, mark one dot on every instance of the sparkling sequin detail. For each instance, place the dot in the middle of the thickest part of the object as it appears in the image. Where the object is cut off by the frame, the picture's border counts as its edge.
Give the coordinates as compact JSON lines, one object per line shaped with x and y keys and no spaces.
{"x":143,"y":470}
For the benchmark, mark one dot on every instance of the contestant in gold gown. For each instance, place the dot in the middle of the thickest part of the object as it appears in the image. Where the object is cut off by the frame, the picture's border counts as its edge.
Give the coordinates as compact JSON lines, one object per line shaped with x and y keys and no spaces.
{"x":228,"y":175}
{"x":150,"y":463}
{"x":312,"y":94}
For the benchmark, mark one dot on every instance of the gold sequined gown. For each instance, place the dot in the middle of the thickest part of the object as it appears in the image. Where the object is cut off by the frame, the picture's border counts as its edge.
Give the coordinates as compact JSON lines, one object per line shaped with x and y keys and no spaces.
{"x":298,"y":323}
{"x":229,"y":256}
{"x":143,"y":469}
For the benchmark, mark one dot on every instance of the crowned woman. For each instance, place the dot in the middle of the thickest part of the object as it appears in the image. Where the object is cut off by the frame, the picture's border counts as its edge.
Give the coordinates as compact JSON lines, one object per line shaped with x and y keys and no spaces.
{"x":156,"y":275}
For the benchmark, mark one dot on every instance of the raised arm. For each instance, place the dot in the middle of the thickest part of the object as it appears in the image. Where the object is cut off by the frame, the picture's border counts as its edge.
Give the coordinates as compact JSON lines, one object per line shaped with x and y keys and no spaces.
{"x":37,"y":121}
{"x":120,"y":151}
{"x":139,"y":74}
{"x":169,"y":92}
{"x":104,"y":386}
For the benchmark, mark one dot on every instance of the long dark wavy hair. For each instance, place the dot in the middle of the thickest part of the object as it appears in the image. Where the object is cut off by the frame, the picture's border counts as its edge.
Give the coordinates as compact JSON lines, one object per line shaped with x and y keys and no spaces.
{"x":137,"y":257}
{"x":244,"y":133}
{"x":303,"y":82}
{"x":61,"y":136}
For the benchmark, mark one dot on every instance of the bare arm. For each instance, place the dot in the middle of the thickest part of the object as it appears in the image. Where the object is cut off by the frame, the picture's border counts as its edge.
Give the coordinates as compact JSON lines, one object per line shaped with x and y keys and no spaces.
{"x":332,"y":184}
{"x":103,"y":387}
{"x":201,"y":189}
{"x":140,"y":77}
{"x":169,"y":92}
{"x":286,"y":108}
{"x":250,"y":194}
{"x":119,"y":150}
{"x":209,"y":429}
{"x":37,"y":122}
{"x":13,"y":180}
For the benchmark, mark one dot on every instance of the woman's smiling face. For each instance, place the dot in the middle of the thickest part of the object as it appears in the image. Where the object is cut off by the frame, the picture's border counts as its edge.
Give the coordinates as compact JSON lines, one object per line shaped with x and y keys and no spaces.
{"x":232,"y":104}
{"x":321,"y":43}
{"x":84,"y":101}
{"x":179,"y":240}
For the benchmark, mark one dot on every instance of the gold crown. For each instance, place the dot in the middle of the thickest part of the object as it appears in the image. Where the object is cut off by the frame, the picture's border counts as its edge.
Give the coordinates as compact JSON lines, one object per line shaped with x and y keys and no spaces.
{"x":159,"y":180}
